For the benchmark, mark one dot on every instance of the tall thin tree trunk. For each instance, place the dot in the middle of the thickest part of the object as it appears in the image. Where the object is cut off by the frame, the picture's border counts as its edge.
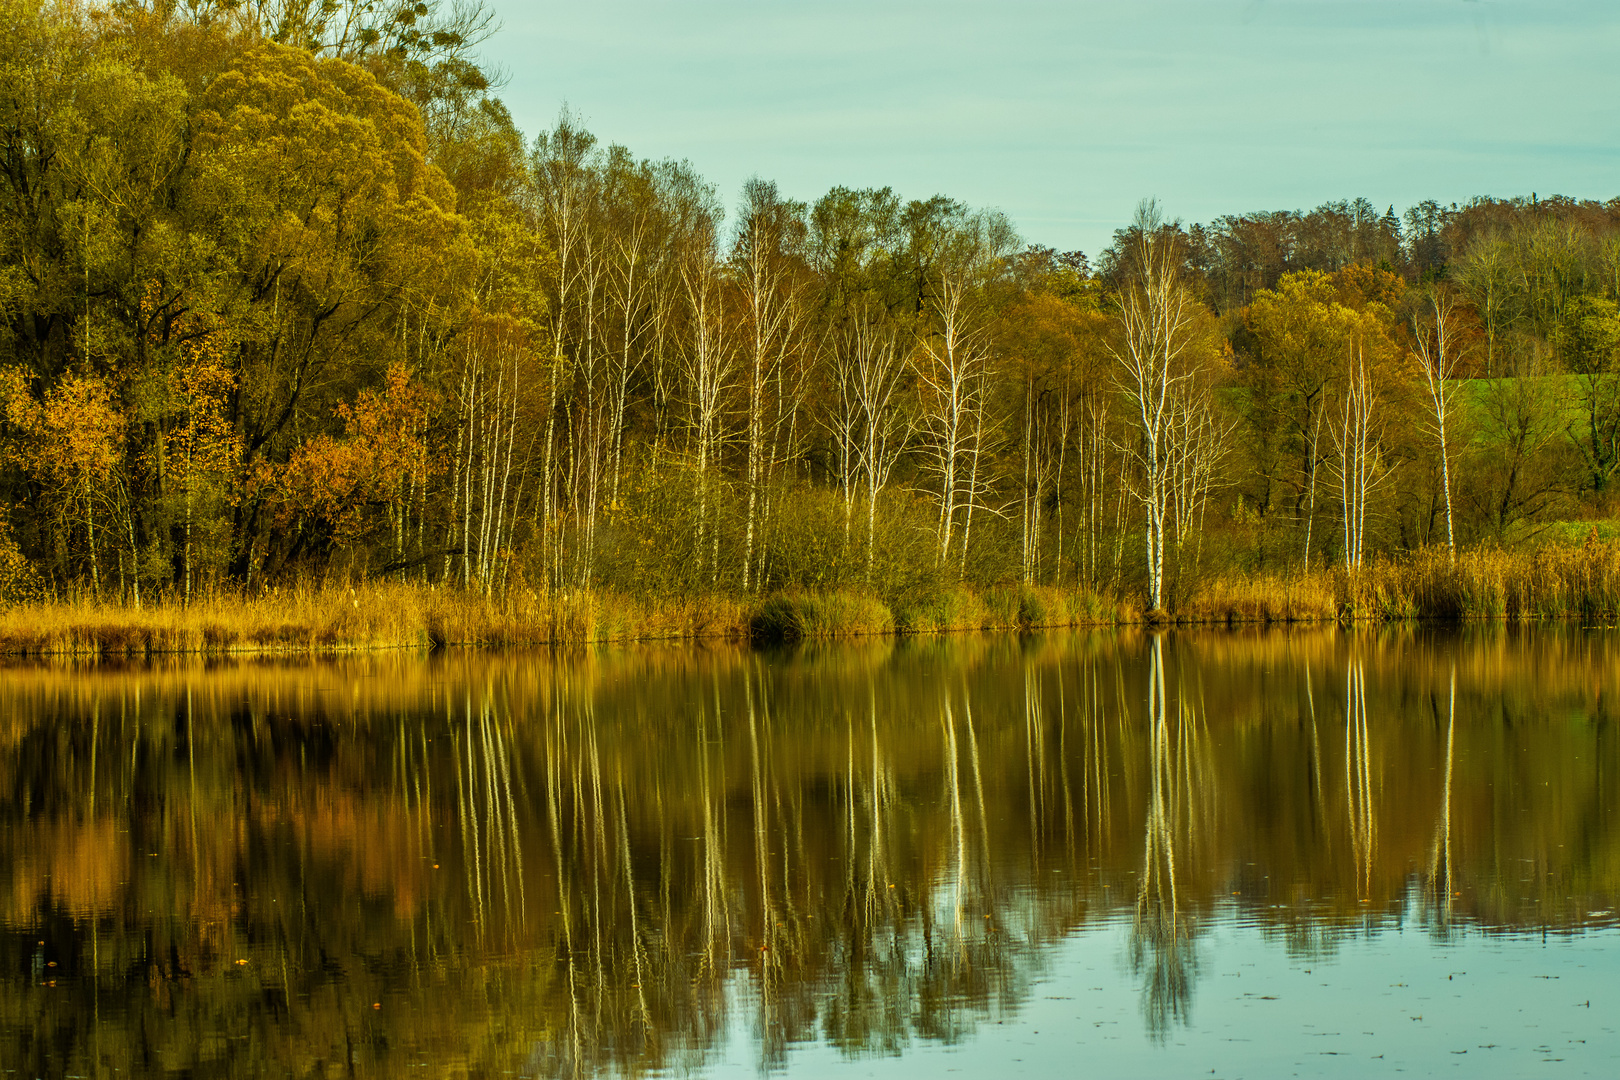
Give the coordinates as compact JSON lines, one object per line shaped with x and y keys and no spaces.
{"x":1310,"y":505}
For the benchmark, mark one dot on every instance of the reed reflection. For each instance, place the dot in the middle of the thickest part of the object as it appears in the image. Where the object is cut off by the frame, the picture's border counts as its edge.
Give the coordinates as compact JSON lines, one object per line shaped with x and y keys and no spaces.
{"x":572,"y":865}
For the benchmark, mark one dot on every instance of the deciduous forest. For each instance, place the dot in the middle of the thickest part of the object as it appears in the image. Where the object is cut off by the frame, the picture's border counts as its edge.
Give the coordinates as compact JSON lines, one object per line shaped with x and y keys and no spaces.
{"x":286,"y":297}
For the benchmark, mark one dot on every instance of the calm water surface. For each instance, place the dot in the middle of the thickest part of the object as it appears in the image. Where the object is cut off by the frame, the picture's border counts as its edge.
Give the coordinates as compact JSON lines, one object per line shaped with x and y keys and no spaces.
{"x":1216,"y":854}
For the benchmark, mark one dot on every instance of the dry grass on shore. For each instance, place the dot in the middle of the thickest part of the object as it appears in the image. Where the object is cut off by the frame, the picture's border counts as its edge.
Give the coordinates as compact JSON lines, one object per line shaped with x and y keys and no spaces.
{"x":384,"y":616}
{"x":1558,"y":581}
{"x":1299,"y":598}
{"x":1568,"y":581}
{"x":1553,"y":582}
{"x":372,"y":616}
{"x":848,"y":613}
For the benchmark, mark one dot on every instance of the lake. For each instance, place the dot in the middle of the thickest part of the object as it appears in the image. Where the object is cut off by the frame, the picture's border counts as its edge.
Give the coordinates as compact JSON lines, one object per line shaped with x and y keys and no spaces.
{"x":1319,"y":852}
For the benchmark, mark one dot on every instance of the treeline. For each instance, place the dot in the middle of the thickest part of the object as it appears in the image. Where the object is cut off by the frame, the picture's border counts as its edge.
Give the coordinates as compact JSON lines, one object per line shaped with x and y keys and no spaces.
{"x":285,"y":294}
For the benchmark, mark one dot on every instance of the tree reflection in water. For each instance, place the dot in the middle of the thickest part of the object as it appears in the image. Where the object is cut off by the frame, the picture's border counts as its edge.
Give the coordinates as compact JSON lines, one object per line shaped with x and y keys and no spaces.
{"x":1439,"y":880}
{"x":1180,"y":815}
{"x":1359,"y":779}
{"x":610,"y":861}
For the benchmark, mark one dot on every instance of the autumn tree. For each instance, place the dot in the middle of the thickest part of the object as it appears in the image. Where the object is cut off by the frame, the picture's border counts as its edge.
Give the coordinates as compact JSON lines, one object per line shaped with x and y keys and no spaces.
{"x":197,"y":458}
{"x":1485,"y":278}
{"x":333,"y":490}
{"x":315,"y":180}
{"x":68,"y":441}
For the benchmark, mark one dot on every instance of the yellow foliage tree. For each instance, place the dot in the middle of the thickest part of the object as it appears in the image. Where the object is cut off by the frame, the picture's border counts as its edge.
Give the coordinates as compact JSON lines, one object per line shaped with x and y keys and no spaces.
{"x":69,"y":441}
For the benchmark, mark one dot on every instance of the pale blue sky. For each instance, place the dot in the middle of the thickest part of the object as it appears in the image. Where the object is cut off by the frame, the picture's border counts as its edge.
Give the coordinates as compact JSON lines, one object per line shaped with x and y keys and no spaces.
{"x":1066,"y":114}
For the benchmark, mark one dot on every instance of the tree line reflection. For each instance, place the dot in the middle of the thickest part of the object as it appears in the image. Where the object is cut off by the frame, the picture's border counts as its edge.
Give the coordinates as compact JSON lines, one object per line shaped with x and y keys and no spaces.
{"x":608,"y":862}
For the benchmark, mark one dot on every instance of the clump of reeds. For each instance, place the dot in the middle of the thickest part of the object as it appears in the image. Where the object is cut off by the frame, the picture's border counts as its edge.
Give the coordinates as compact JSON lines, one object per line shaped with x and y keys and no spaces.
{"x":310,"y":618}
{"x":1045,"y":606}
{"x":1002,"y":606}
{"x":1269,"y":598}
{"x":951,"y":608}
{"x":797,"y":616}
{"x":1014,"y":607}
{"x":298,"y":619}
{"x":1557,"y":581}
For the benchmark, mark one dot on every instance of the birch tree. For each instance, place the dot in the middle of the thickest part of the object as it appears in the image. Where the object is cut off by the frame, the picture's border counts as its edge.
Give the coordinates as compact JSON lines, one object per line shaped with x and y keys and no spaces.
{"x":871,"y":372}
{"x":1092,"y":446}
{"x":852,"y":247}
{"x":1359,"y":451}
{"x":1047,"y":420}
{"x":1155,"y":368}
{"x":1434,"y":332}
{"x":560,"y":166}
{"x":685,"y":207}
{"x":1053,"y":338}
{"x":486,"y":468}
{"x":954,"y":365}
{"x":1358,"y":428}
{"x":1299,"y":331}
{"x":1196,"y":446}
{"x":632,"y":203}
{"x":708,"y":360}
{"x":766,"y":260}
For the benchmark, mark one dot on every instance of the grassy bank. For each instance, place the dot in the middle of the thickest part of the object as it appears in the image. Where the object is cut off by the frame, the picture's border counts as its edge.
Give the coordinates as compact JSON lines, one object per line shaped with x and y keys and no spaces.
{"x":1579,"y":581}
{"x":1556,"y":581}
{"x":840,"y":614}
{"x":1566,"y":581}
{"x":1271,"y":598}
{"x":384,"y":616}
{"x":374,"y":616}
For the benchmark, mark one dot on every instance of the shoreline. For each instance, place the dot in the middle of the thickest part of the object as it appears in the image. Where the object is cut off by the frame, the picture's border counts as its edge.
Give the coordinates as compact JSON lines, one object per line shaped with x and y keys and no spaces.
{"x":1544,"y":585}
{"x":379,"y":617}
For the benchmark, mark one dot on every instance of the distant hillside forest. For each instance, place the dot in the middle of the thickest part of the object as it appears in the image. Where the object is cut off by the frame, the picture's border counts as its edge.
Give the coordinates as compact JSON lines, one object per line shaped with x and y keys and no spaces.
{"x":285,"y":295}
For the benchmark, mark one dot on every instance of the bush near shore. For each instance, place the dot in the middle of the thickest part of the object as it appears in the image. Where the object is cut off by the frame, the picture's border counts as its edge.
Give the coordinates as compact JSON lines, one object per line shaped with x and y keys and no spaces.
{"x":1565,"y":581}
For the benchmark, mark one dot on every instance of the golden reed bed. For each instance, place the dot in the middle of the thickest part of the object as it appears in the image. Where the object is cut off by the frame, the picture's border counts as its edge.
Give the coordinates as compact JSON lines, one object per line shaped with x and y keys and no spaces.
{"x":1567,"y":582}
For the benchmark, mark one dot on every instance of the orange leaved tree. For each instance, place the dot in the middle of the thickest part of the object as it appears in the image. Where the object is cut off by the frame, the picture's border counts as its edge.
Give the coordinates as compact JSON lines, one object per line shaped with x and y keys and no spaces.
{"x":333,"y":490}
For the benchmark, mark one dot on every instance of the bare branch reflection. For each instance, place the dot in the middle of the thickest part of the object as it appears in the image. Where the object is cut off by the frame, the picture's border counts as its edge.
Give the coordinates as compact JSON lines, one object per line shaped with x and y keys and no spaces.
{"x":1180,"y":817}
{"x":629,"y":861}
